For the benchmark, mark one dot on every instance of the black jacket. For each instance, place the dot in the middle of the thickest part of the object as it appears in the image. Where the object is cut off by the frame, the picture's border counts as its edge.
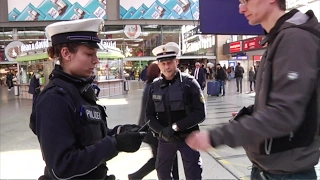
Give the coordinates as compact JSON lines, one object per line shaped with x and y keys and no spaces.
{"x":150,"y":139}
{"x":179,"y":101}
{"x":201,"y":77}
{"x":74,"y":144}
{"x":34,"y":83}
{"x":221,"y":74}
{"x":238,"y":72}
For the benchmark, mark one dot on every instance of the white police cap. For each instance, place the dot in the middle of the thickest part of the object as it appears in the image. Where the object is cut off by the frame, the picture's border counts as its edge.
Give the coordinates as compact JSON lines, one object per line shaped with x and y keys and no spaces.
{"x":84,"y":31}
{"x":165,"y":52}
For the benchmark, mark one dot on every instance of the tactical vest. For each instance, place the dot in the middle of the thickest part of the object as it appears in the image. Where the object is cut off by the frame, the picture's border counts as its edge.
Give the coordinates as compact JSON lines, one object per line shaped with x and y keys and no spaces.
{"x":170,"y":101}
{"x":90,"y":118}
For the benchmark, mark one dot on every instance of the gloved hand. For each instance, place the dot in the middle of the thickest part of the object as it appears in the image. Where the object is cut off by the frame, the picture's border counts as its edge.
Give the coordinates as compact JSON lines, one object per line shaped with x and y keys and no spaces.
{"x":167,"y":134}
{"x":129,"y":141}
{"x":128,"y":128}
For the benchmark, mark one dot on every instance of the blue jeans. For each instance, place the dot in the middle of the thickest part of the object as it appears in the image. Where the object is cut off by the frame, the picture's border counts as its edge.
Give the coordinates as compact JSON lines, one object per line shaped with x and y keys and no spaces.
{"x":257,"y":174}
{"x":239,"y":82}
{"x":222,"y":85}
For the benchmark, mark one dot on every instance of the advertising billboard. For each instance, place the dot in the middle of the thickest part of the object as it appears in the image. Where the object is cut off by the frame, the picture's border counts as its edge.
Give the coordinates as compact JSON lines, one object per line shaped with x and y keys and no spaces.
{"x":257,"y":57}
{"x":159,"y":9}
{"x":236,"y":47}
{"x":252,"y":43}
{"x":46,"y":10}
{"x":222,"y":17}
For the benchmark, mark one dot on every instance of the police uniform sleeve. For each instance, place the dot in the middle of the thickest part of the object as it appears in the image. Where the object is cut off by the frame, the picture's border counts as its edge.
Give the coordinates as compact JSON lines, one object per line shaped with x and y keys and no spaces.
{"x":54,"y":128}
{"x":198,"y":111}
{"x":290,"y":92}
{"x":151,"y":113}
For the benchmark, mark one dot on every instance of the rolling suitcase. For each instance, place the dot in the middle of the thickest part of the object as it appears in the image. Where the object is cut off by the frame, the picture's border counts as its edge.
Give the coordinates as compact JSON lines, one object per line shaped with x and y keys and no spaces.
{"x":213,"y":88}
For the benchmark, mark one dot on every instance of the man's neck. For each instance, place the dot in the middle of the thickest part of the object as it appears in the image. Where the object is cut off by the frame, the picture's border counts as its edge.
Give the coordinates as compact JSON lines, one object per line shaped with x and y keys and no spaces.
{"x":272,"y":19}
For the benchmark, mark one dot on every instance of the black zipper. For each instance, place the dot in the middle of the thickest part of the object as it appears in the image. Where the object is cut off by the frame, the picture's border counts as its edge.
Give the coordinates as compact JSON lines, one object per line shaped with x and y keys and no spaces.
{"x":168,"y":106}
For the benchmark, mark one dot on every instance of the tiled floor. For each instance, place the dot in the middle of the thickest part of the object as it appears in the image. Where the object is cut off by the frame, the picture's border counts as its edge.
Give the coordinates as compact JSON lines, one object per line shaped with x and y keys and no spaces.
{"x":20,"y":156}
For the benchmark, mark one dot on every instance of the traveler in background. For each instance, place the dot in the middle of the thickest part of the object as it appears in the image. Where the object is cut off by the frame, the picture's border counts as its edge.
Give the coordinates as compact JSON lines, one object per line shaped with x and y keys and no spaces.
{"x":280,"y":132}
{"x":238,"y":74}
{"x":211,"y":72}
{"x":9,"y":80}
{"x":224,"y":67}
{"x":34,"y":87}
{"x":1,"y":81}
{"x":150,"y":139}
{"x":229,"y":71}
{"x":143,"y":74}
{"x":200,"y":75}
{"x":221,"y":77}
{"x":252,"y":78}
{"x":186,"y":70}
{"x":204,"y":70}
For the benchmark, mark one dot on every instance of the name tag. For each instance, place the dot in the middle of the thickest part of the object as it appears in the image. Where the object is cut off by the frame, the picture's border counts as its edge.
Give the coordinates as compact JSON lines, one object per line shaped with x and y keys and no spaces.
{"x":157,"y":97}
{"x":92,"y":113}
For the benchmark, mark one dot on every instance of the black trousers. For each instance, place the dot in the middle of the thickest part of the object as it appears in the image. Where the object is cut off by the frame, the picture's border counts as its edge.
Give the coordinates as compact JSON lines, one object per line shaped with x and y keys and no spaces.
{"x":150,"y":165}
{"x":167,"y":152}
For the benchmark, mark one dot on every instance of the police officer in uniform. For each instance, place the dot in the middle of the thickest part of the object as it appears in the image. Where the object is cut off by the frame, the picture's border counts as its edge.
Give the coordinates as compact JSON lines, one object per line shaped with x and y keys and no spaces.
{"x":175,"y":107}
{"x":71,"y":128}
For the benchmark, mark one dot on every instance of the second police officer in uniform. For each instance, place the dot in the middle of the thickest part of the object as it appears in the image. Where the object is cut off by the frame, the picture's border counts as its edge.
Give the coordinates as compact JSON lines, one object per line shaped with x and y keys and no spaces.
{"x":175,"y":107}
{"x":71,"y":128}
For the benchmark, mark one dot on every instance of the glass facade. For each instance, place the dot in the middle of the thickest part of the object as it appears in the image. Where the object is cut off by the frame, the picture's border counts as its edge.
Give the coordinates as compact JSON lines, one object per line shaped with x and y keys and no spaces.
{"x":187,"y":37}
{"x":28,"y":69}
{"x":108,"y":70}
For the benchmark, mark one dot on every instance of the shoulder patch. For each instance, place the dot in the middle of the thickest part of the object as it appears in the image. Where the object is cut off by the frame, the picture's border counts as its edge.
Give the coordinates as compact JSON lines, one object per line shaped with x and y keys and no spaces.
{"x":293,"y":75}
{"x":202,"y":98}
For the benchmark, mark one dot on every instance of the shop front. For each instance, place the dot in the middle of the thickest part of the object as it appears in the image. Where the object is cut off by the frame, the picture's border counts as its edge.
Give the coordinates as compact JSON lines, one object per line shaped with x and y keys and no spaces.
{"x":32,"y":59}
{"x":254,"y":50}
{"x":247,"y":52}
{"x":8,"y":68}
{"x":28,"y":59}
{"x":256,"y":60}
{"x":30,"y":65}
{"x":110,"y":74}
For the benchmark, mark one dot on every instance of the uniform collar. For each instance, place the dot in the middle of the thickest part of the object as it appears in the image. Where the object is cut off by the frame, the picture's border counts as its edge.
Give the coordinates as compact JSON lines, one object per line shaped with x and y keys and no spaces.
{"x":59,"y":73}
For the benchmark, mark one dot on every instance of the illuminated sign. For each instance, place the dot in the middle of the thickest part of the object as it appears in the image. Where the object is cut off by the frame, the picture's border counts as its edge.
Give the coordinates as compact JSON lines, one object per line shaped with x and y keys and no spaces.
{"x":236,"y":47}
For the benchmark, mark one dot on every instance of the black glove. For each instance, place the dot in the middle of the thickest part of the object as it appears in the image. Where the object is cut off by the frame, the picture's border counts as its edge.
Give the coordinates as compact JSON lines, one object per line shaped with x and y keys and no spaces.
{"x":129,"y":141}
{"x":167,"y":134}
{"x":129,"y":128}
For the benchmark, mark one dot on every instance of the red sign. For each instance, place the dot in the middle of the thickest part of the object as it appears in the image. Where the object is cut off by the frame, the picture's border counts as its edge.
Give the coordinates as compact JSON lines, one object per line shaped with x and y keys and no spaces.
{"x":236,"y":47}
{"x":257,"y":58}
{"x":252,"y":43}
